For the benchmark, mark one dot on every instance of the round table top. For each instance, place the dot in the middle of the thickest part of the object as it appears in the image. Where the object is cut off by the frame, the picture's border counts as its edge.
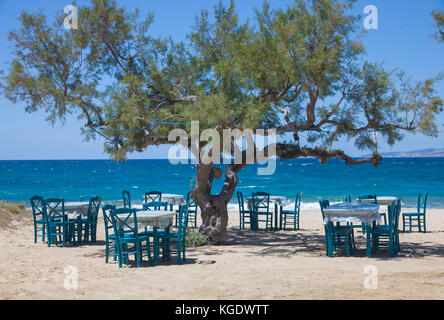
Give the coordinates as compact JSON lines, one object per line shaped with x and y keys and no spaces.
{"x":352,"y":209}
{"x":272,"y":198}
{"x":385,"y":200}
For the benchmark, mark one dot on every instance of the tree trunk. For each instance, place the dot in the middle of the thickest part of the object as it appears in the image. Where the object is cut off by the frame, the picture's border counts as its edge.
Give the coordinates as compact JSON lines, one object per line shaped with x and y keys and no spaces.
{"x":214,"y":211}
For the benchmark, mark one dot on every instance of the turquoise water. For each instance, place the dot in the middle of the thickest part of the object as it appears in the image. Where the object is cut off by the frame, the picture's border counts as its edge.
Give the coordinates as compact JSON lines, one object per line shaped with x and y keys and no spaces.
{"x":70,"y":179}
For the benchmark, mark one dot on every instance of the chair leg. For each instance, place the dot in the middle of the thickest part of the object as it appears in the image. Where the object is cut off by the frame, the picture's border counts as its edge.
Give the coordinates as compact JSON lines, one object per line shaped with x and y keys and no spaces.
{"x":410,"y":224}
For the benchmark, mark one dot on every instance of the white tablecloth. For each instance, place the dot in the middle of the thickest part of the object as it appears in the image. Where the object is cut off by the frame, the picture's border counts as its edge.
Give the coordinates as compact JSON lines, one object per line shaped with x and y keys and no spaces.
{"x":77,"y":207}
{"x":354,"y":212}
{"x":386,"y":200}
{"x":153,"y":218}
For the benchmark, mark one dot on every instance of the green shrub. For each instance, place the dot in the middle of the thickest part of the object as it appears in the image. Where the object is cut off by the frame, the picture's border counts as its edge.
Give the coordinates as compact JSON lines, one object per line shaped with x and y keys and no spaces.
{"x":195,"y":239}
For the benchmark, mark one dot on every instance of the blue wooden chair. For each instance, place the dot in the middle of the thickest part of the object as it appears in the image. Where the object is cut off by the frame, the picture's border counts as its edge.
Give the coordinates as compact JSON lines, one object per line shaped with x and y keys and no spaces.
{"x":337,"y":236}
{"x":88,"y":225}
{"x":192,"y":211}
{"x":58,"y":226}
{"x":155,"y":205}
{"x":110,"y":237}
{"x":126,"y":199}
{"x":127,"y":238}
{"x":39,"y":217}
{"x":168,"y":239}
{"x":420,"y":215}
{"x":372,"y":198}
{"x":244,"y":214}
{"x":386,"y":236}
{"x":261,"y":209}
{"x":292,"y":214}
{"x":152,"y":196}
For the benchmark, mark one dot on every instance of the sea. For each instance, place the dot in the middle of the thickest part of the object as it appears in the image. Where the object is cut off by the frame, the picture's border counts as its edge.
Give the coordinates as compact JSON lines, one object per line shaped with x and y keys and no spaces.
{"x":334,"y":180}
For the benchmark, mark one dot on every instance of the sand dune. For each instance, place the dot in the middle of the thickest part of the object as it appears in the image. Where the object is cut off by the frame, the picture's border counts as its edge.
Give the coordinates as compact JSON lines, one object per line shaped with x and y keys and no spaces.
{"x":255,"y":265}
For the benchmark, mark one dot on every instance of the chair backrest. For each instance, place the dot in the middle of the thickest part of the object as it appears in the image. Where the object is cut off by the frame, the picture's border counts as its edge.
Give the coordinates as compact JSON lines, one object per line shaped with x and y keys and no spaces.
{"x":240,"y":201}
{"x":126,"y":199}
{"x":348,"y":198}
{"x":124,"y":222}
{"x":55,"y":209}
{"x":38,"y":208}
{"x":261,"y":201}
{"x":156,"y":205}
{"x":106,"y":211}
{"x":93,"y":208}
{"x":422,"y":204}
{"x":324,"y":204}
{"x":183,"y":219}
{"x":153,"y":196}
{"x":192,"y":206}
{"x":369,"y":197}
{"x":297,"y":204}
{"x":398,"y":213}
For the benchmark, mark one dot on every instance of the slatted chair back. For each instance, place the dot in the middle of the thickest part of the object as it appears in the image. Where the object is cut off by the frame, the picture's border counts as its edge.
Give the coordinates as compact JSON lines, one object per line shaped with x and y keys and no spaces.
{"x":422,"y":205}
{"x":324,"y":204}
{"x":261,"y":201}
{"x":297,"y":204}
{"x":153,"y":196}
{"x":183,"y":219}
{"x":240,"y":200}
{"x":192,"y":206}
{"x":369,"y":197}
{"x":124,"y":222}
{"x":38,"y":208}
{"x":398,"y":213}
{"x":106,"y":211}
{"x":93,"y":209}
{"x":126,"y":199}
{"x":55,"y":209}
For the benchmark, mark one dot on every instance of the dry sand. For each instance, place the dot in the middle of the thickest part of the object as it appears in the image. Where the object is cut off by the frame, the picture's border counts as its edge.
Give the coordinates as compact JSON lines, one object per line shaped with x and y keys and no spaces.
{"x":255,"y":265}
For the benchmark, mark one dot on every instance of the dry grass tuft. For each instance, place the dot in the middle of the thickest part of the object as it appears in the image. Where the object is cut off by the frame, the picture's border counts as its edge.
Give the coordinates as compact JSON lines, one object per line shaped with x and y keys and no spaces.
{"x":13,"y":214}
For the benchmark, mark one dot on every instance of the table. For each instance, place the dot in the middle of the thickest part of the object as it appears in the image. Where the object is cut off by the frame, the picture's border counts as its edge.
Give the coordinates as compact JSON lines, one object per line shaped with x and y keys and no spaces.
{"x":357,"y":212}
{"x":277,"y":200}
{"x":157,"y":219}
{"x":385,"y":200}
{"x":172,"y":199}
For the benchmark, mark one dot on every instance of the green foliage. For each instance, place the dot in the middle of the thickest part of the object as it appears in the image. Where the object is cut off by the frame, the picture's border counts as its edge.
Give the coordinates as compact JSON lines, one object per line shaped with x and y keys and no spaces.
{"x":438,"y":15}
{"x":298,"y":68}
{"x":195,"y":239}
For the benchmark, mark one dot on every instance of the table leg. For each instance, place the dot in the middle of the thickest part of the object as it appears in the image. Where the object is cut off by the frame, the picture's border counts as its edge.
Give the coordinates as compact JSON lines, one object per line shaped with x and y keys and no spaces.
{"x":276,"y":226}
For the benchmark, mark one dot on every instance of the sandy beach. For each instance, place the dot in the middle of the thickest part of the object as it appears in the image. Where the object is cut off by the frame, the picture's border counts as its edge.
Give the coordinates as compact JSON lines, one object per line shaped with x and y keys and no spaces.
{"x":255,"y":265}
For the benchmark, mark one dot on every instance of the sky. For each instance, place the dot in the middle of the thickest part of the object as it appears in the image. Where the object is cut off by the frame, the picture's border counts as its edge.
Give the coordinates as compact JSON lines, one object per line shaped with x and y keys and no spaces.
{"x":403,"y":40}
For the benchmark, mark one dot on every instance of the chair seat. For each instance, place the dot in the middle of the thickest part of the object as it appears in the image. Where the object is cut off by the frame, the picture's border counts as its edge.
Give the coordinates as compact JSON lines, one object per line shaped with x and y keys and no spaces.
{"x":151,"y":232}
{"x":40,"y":221}
{"x":380,"y":228}
{"x":288,"y":212}
{"x":127,"y":238}
{"x":412,"y":214}
{"x":342,"y":229}
{"x":261,"y":213}
{"x":173,"y":235}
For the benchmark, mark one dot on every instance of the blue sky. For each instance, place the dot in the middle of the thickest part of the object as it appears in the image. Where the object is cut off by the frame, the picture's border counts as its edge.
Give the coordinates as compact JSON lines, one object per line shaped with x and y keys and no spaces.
{"x":403,"y":40}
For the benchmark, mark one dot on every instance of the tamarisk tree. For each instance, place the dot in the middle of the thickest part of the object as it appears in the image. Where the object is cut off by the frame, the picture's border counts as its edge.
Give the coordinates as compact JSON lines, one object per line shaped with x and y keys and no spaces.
{"x":293,"y":70}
